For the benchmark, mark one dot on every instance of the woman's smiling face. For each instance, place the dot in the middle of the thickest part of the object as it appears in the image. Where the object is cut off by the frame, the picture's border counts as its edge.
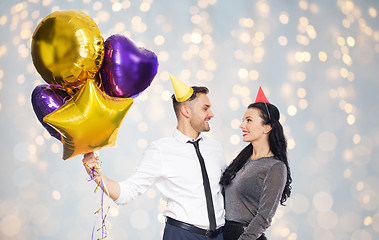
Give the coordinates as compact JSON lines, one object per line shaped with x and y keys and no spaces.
{"x":252,"y":125}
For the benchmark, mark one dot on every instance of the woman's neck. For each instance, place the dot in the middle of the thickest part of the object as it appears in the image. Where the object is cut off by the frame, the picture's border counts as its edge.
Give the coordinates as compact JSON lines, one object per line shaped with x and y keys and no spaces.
{"x":260,"y":150}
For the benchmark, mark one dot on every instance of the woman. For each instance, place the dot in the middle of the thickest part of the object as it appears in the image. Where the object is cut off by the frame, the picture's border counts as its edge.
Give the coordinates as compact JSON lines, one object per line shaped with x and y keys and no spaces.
{"x":259,"y":177}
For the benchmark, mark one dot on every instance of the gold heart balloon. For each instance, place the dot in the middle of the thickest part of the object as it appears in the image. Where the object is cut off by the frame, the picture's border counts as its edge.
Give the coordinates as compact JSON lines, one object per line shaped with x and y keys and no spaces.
{"x":67,"y":48}
{"x":89,"y":121}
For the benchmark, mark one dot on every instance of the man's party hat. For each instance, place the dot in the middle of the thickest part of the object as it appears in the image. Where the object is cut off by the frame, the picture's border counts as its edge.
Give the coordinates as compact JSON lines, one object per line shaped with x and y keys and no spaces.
{"x":182,"y":91}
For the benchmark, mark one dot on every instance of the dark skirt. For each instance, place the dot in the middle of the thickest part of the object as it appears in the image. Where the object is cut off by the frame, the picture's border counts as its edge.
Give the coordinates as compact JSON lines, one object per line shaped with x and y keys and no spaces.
{"x":233,"y":230}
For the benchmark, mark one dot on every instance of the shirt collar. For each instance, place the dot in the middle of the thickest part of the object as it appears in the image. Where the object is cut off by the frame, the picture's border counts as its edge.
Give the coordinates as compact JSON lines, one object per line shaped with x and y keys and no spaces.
{"x":178,"y":135}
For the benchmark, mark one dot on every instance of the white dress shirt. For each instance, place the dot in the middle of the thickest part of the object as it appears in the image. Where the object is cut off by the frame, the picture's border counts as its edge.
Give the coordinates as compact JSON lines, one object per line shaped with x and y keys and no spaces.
{"x":173,"y":166}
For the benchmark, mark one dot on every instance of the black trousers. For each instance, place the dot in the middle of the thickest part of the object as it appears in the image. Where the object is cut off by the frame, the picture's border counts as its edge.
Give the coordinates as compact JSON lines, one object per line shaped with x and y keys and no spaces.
{"x":175,"y":233}
{"x":233,"y":230}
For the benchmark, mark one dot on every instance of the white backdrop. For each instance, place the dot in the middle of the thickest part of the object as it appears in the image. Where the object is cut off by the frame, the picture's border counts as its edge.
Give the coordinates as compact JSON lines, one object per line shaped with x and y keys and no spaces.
{"x":316,"y":60}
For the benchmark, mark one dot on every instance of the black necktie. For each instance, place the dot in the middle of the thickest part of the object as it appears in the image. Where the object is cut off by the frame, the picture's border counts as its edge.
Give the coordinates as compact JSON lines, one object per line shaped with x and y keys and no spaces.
{"x":207,"y":188}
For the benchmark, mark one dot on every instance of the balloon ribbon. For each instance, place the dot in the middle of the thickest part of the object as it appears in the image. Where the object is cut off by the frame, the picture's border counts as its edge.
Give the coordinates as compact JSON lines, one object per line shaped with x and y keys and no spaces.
{"x":95,"y":173}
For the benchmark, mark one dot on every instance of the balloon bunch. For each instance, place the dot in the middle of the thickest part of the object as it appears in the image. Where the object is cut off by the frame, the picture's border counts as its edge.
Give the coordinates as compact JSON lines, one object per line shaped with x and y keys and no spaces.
{"x":90,"y":83}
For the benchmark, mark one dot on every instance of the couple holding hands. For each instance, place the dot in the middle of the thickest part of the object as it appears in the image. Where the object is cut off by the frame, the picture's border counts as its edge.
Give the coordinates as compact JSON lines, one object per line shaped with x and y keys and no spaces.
{"x":206,"y":199}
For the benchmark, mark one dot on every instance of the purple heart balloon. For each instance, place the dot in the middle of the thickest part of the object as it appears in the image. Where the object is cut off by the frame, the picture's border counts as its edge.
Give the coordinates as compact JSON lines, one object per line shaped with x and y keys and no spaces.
{"x":126,"y":70}
{"x":46,"y":99}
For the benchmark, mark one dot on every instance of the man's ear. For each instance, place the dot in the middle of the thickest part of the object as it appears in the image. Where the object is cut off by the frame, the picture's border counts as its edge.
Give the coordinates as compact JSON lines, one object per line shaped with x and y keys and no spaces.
{"x":185,"y":110}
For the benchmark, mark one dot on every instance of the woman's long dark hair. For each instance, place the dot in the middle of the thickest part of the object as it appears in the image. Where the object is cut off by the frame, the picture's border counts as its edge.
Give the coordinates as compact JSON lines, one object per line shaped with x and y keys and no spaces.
{"x":278,"y":146}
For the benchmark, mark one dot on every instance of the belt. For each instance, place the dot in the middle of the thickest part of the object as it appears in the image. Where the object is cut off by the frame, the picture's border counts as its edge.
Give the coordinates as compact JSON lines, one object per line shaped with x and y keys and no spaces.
{"x":236,"y":223}
{"x":194,"y":229}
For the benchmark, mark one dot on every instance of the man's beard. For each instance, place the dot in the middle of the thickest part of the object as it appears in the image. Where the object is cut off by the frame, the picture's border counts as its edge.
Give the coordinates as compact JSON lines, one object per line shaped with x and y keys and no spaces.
{"x":203,"y":127}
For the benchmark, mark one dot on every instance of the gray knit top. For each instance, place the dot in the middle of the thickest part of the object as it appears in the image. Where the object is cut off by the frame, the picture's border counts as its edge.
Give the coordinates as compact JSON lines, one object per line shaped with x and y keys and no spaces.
{"x":254,"y":194}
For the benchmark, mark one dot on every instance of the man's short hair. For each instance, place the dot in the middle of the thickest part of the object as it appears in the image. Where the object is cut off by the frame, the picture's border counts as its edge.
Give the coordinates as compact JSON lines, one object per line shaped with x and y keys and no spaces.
{"x":196,"y":90}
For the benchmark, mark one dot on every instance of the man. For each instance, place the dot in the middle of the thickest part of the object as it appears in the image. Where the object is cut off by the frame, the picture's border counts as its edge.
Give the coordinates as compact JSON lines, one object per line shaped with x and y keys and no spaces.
{"x":186,"y":169}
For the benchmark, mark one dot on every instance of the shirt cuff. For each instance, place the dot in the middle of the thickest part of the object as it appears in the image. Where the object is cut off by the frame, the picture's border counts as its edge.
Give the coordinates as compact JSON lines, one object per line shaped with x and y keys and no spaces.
{"x":121,"y":199}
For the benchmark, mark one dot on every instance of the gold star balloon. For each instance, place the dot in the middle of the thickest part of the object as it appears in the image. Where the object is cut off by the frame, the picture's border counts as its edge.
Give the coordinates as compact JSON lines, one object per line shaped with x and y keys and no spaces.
{"x":67,"y":48}
{"x":89,"y":121}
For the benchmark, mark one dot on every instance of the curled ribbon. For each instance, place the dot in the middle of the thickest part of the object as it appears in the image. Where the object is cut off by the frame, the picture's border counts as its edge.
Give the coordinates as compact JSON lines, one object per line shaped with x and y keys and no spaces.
{"x":95,"y":173}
